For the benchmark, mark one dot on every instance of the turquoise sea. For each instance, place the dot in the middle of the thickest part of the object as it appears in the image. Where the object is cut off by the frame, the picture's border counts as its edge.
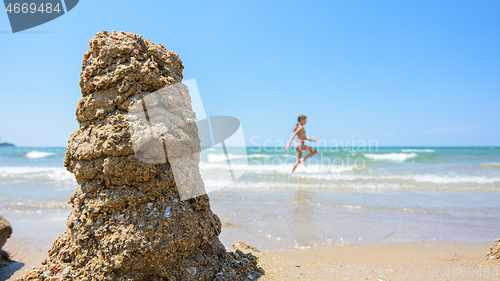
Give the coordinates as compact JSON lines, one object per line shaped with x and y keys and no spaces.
{"x":344,"y":195}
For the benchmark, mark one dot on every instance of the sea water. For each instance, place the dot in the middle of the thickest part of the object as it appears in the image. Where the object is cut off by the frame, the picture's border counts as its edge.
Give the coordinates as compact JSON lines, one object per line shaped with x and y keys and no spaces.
{"x":387,"y":194}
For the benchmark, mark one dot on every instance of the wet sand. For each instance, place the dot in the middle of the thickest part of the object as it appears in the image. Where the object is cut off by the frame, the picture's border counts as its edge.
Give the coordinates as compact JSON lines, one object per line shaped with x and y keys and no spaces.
{"x":32,"y":236}
{"x":25,"y":256}
{"x":379,"y":261}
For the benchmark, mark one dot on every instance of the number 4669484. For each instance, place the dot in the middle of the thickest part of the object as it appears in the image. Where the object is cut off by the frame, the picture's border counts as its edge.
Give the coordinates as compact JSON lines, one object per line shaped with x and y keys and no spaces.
{"x":32,"y":8}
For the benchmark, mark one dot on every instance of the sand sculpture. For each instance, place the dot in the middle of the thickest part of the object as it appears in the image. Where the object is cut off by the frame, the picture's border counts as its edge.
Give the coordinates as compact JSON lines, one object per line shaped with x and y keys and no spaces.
{"x":494,"y":252}
{"x":129,"y":221}
{"x":5,"y":232}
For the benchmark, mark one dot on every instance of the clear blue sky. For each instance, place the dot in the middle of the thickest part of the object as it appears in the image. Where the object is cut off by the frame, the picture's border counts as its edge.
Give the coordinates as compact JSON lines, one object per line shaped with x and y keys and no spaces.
{"x":404,"y":73}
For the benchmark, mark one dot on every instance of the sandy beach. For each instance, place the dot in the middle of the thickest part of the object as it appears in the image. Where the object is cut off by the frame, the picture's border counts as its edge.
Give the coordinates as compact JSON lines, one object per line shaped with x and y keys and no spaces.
{"x":28,"y":247}
{"x":381,"y":261}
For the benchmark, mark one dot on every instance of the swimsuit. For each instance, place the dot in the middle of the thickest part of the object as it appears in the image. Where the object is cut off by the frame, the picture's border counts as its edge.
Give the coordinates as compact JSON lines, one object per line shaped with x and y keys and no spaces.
{"x":298,"y":145}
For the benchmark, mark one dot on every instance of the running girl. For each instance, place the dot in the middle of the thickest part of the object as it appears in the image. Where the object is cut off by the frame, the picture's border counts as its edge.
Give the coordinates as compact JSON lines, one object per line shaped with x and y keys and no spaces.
{"x":299,"y":145}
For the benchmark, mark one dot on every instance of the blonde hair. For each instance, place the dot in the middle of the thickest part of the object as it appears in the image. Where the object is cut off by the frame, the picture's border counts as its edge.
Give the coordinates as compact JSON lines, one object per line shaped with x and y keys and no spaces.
{"x":298,"y":121}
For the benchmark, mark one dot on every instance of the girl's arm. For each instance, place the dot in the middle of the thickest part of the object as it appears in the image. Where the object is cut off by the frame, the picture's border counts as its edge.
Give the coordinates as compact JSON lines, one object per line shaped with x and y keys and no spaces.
{"x":311,"y":139}
{"x":293,"y":136}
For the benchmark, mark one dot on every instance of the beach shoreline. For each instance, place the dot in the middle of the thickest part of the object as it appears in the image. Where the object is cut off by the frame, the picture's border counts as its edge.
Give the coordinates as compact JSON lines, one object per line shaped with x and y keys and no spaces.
{"x":34,"y":233}
{"x":378,"y":261}
{"x":329,"y":214}
{"x":32,"y":238}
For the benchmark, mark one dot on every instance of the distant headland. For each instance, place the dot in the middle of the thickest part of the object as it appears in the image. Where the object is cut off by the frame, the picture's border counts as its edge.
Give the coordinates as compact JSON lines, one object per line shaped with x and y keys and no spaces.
{"x":6,"y":144}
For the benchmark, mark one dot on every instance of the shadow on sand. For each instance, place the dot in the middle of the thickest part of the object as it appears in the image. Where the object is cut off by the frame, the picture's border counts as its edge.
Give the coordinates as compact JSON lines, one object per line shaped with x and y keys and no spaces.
{"x":8,"y":267}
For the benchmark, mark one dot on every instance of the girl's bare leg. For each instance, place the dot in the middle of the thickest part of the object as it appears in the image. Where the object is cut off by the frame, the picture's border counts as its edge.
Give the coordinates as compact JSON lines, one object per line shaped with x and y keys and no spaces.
{"x":299,"y":155}
{"x":311,"y":150}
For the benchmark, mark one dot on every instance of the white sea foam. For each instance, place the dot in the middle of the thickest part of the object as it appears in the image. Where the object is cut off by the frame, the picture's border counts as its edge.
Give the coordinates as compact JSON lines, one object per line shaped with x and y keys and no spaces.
{"x":34,"y":205}
{"x":219,"y":157}
{"x":351,"y":206}
{"x":491,"y":164}
{"x":421,"y":178}
{"x":36,"y":173}
{"x":455,"y":179}
{"x":212,"y":184}
{"x":441,"y":179}
{"x":280,"y":168}
{"x":302,"y":247}
{"x":352,"y":181}
{"x":418,"y":150}
{"x":260,"y":156}
{"x":340,"y":173}
{"x":399,"y":157}
{"x":38,"y":154}
{"x":216,"y":157}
